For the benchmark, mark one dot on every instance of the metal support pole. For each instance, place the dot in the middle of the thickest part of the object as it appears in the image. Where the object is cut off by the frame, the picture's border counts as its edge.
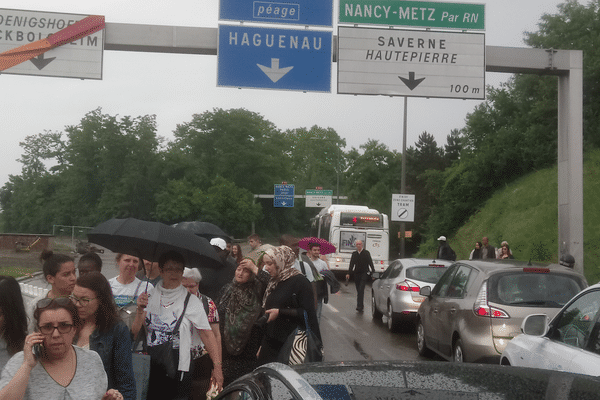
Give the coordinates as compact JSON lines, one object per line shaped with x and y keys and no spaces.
{"x":403,"y":175}
{"x":570,"y":161}
{"x":337,"y":174}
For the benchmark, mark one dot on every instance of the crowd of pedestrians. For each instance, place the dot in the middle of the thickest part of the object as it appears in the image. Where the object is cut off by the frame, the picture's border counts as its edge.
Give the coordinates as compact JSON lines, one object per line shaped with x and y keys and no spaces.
{"x":77,"y":340}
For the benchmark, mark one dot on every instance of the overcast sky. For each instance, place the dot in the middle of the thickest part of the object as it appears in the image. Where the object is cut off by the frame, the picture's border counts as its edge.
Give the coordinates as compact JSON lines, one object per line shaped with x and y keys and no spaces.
{"x":174,"y":87}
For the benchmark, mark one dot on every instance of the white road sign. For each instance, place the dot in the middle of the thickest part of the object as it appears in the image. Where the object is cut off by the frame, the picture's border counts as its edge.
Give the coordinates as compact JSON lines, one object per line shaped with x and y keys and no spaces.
{"x":399,"y":62}
{"x":80,"y":59}
{"x":403,"y":207}
{"x":318,"y":198}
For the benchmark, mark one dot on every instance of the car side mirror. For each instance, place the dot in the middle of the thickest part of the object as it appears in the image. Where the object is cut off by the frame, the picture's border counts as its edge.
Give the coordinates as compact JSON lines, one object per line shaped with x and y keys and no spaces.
{"x":425,"y":291}
{"x":535,"y":325}
{"x":376,"y":275}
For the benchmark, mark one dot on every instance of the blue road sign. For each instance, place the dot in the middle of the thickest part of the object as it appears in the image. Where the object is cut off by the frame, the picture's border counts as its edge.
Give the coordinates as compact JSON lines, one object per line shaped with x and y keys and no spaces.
{"x":283,"y":196}
{"x":302,"y":12}
{"x":268,"y":58}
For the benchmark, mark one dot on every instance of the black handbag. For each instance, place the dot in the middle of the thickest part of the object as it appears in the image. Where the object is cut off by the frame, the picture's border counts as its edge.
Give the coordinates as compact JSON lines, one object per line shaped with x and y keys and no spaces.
{"x":301,"y":346}
{"x":163,"y":355}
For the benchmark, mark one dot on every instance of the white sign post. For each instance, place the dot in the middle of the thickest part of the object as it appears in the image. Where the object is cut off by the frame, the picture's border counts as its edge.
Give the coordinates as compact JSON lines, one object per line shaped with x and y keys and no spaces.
{"x":318,"y":198}
{"x":403,"y":207}
{"x":79,"y":59}
{"x":396,"y":62}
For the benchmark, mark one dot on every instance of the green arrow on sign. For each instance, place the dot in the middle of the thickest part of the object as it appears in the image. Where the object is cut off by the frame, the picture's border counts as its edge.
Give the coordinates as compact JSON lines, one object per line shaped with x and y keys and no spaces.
{"x":413,"y":13}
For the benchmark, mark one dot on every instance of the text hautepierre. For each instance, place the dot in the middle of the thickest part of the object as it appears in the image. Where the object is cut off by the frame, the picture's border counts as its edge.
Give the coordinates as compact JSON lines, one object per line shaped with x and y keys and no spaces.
{"x":409,"y":49}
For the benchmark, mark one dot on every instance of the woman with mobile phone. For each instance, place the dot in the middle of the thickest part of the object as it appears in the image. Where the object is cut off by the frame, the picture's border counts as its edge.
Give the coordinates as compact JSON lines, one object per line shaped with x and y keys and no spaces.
{"x":60,"y":370}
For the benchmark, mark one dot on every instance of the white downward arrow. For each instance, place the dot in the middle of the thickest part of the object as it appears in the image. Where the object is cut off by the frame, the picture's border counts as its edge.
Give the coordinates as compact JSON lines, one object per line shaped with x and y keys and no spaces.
{"x":274,"y":72}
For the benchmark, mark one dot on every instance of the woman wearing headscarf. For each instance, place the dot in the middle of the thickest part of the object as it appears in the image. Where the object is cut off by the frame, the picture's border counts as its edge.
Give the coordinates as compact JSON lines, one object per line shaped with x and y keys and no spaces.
{"x":240,"y":306}
{"x":288,"y":295}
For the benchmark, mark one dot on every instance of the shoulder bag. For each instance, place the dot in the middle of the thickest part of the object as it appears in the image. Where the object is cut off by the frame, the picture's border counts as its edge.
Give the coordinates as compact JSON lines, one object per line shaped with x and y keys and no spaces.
{"x":301,"y":346}
{"x":127,"y":312}
{"x":162,"y":355}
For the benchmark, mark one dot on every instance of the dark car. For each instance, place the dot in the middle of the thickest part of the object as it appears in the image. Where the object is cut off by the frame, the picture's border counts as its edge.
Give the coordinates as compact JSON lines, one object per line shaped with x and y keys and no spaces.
{"x":478,"y":306}
{"x":408,"y":380}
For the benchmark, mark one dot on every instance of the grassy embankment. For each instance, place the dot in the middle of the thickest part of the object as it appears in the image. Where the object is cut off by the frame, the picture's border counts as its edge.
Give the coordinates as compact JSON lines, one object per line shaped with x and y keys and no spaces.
{"x":525,"y":214}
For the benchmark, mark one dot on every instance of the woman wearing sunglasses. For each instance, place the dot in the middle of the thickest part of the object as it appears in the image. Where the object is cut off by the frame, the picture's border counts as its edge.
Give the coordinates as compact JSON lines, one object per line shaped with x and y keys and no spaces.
{"x":58,"y":370}
{"x":103,"y":331}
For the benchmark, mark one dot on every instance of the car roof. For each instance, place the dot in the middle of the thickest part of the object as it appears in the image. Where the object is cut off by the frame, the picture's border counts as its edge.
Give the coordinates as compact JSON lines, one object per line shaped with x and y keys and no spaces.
{"x":492,"y":266}
{"x":392,"y":378}
{"x":408,"y":262}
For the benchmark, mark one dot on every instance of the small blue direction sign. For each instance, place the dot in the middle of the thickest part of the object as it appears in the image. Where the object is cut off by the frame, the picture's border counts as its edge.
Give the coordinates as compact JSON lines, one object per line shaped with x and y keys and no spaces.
{"x":302,"y":12}
{"x":283,"y":196}
{"x":268,"y":58}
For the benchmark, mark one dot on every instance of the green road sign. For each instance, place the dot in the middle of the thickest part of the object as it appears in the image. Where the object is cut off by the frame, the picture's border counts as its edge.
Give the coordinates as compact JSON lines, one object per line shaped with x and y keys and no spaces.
{"x":413,"y":13}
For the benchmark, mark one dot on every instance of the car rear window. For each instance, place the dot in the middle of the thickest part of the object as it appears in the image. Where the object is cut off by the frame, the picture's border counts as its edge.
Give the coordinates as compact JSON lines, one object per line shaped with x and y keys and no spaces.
{"x":426,"y":273}
{"x":530,"y":289}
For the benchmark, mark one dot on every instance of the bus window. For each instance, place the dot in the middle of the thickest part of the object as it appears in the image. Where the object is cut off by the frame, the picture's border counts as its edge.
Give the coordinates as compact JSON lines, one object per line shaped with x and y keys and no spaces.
{"x":325,"y":227}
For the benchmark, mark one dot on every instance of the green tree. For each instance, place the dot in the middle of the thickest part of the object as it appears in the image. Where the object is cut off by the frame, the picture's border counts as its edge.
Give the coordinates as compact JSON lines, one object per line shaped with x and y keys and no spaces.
{"x":371,"y":174}
{"x":178,"y":201}
{"x":238,"y":145}
{"x":230,"y":207}
{"x":317,"y":158}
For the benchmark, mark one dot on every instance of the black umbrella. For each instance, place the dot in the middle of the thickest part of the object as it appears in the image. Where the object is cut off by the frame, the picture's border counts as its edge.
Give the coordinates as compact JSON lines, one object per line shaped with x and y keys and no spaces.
{"x":149,"y":240}
{"x":203,"y":229}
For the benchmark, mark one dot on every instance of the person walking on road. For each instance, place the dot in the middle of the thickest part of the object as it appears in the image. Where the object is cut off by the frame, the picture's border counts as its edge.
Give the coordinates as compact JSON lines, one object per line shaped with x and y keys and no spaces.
{"x":361,"y":264}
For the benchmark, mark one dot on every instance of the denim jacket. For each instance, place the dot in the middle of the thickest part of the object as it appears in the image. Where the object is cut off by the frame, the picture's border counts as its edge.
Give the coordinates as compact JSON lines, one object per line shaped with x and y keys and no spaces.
{"x":114,"y":348}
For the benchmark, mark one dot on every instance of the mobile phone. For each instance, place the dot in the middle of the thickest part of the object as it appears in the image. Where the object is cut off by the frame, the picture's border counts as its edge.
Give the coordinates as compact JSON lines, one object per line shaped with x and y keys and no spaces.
{"x":37,"y":350}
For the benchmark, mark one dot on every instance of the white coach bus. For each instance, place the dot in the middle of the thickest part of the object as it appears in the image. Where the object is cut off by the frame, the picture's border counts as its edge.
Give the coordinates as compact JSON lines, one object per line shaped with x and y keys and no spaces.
{"x":343,"y":225}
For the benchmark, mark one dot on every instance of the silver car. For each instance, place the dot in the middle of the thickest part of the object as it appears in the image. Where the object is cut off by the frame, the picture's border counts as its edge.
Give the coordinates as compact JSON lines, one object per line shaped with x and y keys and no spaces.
{"x":478,"y":306}
{"x":395,"y":292}
{"x":570,"y":342}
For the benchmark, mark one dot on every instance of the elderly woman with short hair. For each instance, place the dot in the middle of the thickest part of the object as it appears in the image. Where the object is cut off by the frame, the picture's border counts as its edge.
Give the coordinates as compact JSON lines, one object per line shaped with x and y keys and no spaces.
{"x":203,"y":365}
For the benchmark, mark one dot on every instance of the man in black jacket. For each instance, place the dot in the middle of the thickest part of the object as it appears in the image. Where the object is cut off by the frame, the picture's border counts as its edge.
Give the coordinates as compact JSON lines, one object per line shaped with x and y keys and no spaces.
{"x":362,"y":265}
{"x":445,"y":252}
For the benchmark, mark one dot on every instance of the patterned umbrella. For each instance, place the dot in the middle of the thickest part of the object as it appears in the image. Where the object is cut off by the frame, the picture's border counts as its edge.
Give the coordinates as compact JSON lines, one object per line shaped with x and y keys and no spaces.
{"x":326,"y":247}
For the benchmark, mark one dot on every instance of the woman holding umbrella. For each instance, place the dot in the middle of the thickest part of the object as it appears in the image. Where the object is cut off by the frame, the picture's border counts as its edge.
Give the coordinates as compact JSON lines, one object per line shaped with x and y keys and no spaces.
{"x":160,"y":313}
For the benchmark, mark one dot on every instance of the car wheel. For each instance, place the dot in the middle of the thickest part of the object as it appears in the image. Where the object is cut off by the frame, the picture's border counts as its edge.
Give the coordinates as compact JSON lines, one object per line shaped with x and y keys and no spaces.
{"x":392,"y":319}
{"x":374,"y":311}
{"x":458,"y":354}
{"x":421,"y":343}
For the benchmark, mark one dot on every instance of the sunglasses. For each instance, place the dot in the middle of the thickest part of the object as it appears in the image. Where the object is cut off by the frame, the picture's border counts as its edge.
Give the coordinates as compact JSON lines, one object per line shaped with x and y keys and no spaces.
{"x":61,"y":301}
{"x":48,"y":329}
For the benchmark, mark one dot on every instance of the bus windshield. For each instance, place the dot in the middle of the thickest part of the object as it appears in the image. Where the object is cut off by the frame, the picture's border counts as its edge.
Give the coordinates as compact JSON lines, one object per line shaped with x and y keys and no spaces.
{"x":361,"y":220}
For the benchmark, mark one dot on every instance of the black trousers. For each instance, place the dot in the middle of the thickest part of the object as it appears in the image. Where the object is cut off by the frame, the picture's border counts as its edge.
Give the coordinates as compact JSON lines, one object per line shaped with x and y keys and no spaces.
{"x":360,"y":281}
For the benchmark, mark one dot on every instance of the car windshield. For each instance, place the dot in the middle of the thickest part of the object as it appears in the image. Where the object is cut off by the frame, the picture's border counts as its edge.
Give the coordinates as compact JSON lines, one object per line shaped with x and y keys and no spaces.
{"x":426,"y":273}
{"x":520,"y":288}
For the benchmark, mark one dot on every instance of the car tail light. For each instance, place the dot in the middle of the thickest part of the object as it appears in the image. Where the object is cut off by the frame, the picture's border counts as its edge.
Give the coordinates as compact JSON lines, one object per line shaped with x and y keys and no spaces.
{"x":408,"y":287}
{"x":483,"y":309}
